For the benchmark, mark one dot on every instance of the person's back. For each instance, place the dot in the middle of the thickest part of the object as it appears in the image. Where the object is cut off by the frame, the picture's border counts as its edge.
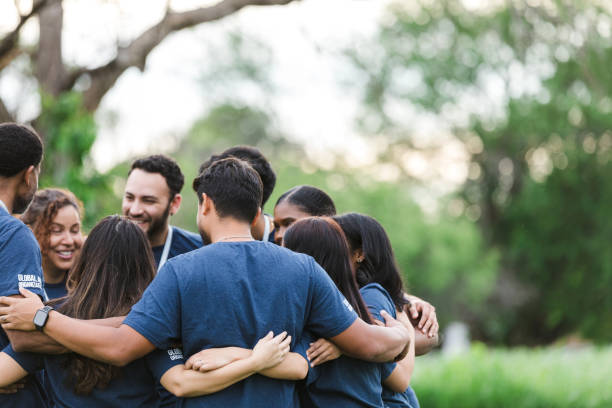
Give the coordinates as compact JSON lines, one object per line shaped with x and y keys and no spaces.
{"x":232,"y":293}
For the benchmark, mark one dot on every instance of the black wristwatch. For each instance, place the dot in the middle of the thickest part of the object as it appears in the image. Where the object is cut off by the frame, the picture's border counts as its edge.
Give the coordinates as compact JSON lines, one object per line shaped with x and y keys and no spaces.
{"x":41,"y":317}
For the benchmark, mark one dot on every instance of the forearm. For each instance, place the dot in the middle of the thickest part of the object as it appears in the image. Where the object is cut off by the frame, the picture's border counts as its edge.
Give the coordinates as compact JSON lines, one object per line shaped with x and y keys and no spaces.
{"x":38,"y":342}
{"x":399,"y":380}
{"x":372,"y":343}
{"x":99,"y":342}
{"x":293,"y":367}
{"x":10,"y":370}
{"x":189,"y":383}
{"x":424,"y":344}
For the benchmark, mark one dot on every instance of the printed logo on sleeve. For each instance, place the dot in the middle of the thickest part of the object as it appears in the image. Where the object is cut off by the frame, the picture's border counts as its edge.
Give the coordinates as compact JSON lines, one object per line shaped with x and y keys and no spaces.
{"x":175,"y":354}
{"x":348,"y":305}
{"x":29,"y":281}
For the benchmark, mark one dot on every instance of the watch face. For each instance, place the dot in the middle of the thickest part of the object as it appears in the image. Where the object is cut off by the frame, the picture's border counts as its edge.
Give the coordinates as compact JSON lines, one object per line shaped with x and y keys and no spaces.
{"x":40,"y":318}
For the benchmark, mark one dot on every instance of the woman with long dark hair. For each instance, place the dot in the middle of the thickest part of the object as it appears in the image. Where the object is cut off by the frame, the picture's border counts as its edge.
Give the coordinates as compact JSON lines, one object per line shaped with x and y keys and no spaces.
{"x":113,"y":270}
{"x":54,"y":215}
{"x":343,"y":382}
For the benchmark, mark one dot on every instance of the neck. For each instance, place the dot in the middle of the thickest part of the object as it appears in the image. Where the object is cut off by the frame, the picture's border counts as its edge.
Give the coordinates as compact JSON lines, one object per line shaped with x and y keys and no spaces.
{"x":228,"y":230}
{"x":159,"y":238}
{"x":53,"y":275}
{"x":7,"y":195}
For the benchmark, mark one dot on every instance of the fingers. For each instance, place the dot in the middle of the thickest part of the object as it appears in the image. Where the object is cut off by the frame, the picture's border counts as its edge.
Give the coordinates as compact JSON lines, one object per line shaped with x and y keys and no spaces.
{"x":413,"y":311}
{"x":7,"y":300}
{"x":27,"y":294}
{"x":286,"y":343}
{"x":279,"y":338}
{"x":379,"y":323}
{"x":322,"y":358}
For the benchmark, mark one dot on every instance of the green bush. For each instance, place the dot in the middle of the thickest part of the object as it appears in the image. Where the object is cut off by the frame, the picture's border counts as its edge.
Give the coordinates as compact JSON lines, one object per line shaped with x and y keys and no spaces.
{"x":518,"y":378}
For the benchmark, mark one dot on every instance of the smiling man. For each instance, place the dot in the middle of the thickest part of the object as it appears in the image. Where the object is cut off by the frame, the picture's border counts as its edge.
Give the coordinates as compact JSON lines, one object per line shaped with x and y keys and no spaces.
{"x":152,"y":195}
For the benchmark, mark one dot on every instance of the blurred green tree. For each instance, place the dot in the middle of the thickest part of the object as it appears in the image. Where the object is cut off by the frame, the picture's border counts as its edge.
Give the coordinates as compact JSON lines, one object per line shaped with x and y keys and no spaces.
{"x":526,"y":87}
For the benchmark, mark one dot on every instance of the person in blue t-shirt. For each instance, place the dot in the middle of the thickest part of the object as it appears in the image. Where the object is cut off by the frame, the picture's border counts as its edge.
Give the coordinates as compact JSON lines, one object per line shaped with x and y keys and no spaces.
{"x":115,"y":267}
{"x":54,"y":215}
{"x":228,"y":293}
{"x":262,"y":229}
{"x":153,"y":194}
{"x":344,"y":382}
{"x":20,"y":262}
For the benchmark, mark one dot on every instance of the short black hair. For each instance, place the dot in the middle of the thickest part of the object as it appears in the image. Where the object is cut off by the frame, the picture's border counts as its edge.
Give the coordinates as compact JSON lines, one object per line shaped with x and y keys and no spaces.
{"x":256,"y":159}
{"x":20,"y":148}
{"x":165,"y":166}
{"x":234,"y":187}
{"x":311,"y":200}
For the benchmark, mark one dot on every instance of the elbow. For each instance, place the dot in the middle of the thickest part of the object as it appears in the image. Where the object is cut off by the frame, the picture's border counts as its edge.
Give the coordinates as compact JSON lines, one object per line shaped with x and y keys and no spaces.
{"x":175,"y":388}
{"x":301,"y":372}
{"x":119,"y":358}
{"x":402,"y":385}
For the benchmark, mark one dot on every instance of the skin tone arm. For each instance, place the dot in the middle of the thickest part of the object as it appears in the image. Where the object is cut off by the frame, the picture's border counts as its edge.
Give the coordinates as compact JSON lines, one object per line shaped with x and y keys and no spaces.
{"x":10,"y":371}
{"x":428,"y":322}
{"x":293,"y":367}
{"x":267,"y":353}
{"x":38,"y":342}
{"x":399,"y":379}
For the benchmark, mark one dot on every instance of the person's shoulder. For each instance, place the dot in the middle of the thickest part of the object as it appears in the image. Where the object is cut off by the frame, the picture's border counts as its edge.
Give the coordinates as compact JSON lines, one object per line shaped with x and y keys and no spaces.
{"x":374,"y":292}
{"x":187,"y":237}
{"x":13,"y":231}
{"x":374,"y":287}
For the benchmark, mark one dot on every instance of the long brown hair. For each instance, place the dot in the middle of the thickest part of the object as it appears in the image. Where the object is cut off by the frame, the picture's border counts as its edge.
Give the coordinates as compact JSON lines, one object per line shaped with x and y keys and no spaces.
{"x":323,"y":239}
{"x":43,"y":209}
{"x":109,"y":276}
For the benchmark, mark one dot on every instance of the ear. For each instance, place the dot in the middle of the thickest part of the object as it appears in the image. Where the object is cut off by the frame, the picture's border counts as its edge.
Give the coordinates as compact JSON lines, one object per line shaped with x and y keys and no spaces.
{"x":358,"y":255}
{"x":175,"y":204}
{"x":30,"y":176}
{"x":254,"y":222}
{"x":207,"y":205}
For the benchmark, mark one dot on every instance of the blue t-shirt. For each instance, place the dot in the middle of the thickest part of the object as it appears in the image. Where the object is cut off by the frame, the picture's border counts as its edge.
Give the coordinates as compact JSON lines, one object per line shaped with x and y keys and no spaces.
{"x":376,"y":299}
{"x":233,"y":294}
{"x":56,"y":290}
{"x":20,"y":266}
{"x":134,"y":387}
{"x":182,"y":242}
{"x":346,"y":381}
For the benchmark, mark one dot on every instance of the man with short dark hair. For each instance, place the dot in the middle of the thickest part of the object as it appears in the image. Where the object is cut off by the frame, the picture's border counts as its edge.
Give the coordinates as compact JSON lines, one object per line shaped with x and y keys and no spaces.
{"x":227,"y":293}
{"x":152,"y":195}
{"x":21,"y":152}
{"x":262,"y":229}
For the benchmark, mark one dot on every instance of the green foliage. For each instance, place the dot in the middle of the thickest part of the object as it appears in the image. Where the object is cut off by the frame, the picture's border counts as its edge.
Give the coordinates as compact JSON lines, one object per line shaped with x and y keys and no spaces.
{"x":526,"y":87}
{"x":69,"y":132}
{"x":517,"y":378}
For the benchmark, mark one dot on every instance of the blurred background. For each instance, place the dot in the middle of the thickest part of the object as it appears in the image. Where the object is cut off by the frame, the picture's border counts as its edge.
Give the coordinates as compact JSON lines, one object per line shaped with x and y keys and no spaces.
{"x":479,"y":133}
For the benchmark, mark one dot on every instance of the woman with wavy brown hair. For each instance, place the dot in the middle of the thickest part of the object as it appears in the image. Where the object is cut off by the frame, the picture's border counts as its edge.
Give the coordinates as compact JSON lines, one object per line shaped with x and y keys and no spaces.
{"x":54,"y":215}
{"x":110,"y":275}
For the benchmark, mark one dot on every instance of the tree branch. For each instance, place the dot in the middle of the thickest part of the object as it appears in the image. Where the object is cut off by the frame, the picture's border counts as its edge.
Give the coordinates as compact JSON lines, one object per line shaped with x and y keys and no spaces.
{"x":136,"y":53}
{"x":8,"y":44}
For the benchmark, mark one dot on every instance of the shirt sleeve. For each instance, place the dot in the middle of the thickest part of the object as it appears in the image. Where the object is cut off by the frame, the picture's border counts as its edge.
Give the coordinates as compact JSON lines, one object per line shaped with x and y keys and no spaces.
{"x":386,"y":369}
{"x":160,"y":361}
{"x":376,"y":299}
{"x":330,"y":313}
{"x":157,"y":316}
{"x":20,"y":263}
{"x":30,"y":362}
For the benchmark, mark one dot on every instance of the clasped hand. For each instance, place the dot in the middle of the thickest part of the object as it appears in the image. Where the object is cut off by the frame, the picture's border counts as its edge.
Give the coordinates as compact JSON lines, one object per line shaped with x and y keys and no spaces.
{"x":18,"y":313}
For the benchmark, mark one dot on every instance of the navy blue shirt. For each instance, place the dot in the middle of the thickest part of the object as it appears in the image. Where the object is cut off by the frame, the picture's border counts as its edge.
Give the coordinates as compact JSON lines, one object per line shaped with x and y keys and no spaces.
{"x":347,"y":382}
{"x":232,"y":294}
{"x":134,"y":387}
{"x":56,"y":290}
{"x":20,"y":266}
{"x":182,"y":242}
{"x":376,"y":299}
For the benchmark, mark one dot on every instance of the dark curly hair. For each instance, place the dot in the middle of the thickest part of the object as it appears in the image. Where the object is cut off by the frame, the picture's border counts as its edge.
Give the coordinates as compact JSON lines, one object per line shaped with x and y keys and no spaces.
{"x":165,"y":166}
{"x":256,"y":159}
{"x":20,"y":148}
{"x":43,"y":208}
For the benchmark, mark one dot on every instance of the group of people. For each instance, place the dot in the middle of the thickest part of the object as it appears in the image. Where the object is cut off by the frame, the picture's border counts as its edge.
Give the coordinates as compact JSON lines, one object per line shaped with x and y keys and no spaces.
{"x":300,"y":308}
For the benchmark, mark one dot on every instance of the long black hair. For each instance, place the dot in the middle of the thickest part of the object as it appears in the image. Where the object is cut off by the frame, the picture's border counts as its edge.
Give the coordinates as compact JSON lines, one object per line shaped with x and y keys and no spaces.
{"x":323,"y":239}
{"x":379,"y":264}
{"x":309,"y":199}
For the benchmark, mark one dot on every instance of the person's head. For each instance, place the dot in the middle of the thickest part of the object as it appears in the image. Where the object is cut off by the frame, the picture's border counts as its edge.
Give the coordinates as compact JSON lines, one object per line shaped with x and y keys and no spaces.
{"x":110,"y":275}
{"x":258,"y":162}
{"x":227,"y":189}
{"x":21,"y":152}
{"x":152,"y":194}
{"x":372,"y":254}
{"x":323,"y":239}
{"x":297,"y":203}
{"x":54,"y":215}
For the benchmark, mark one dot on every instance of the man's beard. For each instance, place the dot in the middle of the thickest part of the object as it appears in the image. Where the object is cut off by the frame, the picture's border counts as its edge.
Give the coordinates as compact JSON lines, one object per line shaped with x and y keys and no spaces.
{"x":205,"y":238}
{"x":158,"y":224}
{"x":20,"y":204}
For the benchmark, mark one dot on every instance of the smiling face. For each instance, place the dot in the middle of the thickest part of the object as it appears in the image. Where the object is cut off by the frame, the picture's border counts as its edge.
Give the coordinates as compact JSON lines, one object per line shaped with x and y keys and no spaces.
{"x":147,"y":203}
{"x":285,"y":214}
{"x":65,"y":240}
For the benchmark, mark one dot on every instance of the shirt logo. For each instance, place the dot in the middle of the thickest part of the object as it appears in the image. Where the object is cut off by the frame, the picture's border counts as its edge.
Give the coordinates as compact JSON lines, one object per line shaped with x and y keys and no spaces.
{"x":29,"y":281}
{"x":175,"y":354}
{"x":348,"y":305}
